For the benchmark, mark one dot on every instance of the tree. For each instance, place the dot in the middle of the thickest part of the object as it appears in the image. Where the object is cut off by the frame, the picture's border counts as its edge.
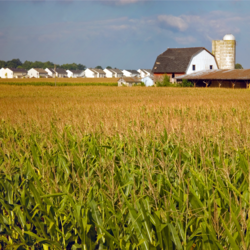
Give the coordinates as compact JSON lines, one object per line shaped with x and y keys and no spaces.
{"x":81,"y":67}
{"x":238,"y":66}
{"x":98,"y":67}
{"x":2,"y":64}
{"x":108,"y":67}
{"x":14,"y":63}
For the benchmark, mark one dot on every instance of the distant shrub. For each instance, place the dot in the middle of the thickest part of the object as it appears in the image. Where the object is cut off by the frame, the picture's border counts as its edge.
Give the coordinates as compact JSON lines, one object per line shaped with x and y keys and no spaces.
{"x":165,"y":82}
{"x":186,"y":83}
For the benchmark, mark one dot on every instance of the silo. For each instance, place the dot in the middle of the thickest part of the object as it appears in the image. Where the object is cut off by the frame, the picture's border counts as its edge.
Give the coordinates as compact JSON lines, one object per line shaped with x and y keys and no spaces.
{"x":225,"y":51}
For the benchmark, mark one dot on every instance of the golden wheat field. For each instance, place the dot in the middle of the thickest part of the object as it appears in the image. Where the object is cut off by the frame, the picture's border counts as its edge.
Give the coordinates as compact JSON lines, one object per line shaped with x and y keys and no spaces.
{"x":61,"y":81}
{"x":186,"y":112}
{"x":124,"y":168}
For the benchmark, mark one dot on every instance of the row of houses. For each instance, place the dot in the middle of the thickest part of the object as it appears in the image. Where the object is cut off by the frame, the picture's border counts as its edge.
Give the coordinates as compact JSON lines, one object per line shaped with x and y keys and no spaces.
{"x":62,"y":73}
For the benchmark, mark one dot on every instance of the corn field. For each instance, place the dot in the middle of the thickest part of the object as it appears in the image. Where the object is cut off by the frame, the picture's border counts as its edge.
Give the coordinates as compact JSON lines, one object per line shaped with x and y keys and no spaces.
{"x":167,"y":171}
{"x":60,"y":81}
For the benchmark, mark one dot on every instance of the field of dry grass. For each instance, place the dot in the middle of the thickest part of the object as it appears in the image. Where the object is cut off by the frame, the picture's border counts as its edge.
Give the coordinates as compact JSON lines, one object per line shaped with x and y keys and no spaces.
{"x":61,"y":81}
{"x":188,"y":112}
{"x":124,"y":168}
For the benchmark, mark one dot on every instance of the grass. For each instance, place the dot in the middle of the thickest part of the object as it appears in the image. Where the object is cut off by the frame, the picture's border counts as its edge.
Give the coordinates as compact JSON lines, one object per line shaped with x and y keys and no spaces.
{"x":61,"y":82}
{"x":124,"y":168}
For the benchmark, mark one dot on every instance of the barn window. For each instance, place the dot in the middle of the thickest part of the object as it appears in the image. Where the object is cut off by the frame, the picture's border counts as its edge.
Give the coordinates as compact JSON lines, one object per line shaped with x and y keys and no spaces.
{"x":193,"y":67}
{"x":173,"y":75}
{"x":211,"y":66}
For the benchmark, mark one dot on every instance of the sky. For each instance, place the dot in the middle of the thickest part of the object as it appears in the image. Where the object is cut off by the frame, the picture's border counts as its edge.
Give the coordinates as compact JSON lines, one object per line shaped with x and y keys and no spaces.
{"x":126,"y":34}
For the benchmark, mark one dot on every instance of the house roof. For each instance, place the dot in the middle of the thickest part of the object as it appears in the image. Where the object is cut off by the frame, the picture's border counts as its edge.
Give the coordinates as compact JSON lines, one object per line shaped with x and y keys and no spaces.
{"x":176,"y":60}
{"x":52,"y":70}
{"x":100,"y":71}
{"x":77,"y":71}
{"x":130,"y":79}
{"x":132,"y":71}
{"x":59,"y":71}
{"x":146,"y":71}
{"x":118,"y":71}
{"x":41,"y":71}
{"x":18,"y":70}
{"x":219,"y":74}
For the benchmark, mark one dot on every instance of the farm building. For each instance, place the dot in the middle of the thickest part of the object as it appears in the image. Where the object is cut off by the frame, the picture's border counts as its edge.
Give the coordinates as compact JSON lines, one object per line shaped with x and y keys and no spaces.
{"x":75,"y":73}
{"x":130,"y":73}
{"x":178,"y":62}
{"x":37,"y":73}
{"x":128,"y":81}
{"x":237,"y":78}
{"x":110,"y":73}
{"x":13,"y":73}
{"x":94,"y":73}
{"x":144,"y":72}
{"x":148,"y":81}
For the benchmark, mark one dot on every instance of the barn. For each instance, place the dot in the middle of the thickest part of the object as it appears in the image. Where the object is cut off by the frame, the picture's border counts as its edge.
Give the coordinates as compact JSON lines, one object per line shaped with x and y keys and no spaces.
{"x":237,"y":78}
{"x":181,"y":61}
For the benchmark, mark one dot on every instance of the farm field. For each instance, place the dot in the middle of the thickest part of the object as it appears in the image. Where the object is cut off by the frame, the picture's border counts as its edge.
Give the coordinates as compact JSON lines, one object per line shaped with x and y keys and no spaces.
{"x":61,"y":81}
{"x":124,"y":168}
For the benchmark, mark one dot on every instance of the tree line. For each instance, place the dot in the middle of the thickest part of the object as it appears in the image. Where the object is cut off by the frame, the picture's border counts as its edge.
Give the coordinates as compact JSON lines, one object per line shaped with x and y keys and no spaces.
{"x":16,"y":63}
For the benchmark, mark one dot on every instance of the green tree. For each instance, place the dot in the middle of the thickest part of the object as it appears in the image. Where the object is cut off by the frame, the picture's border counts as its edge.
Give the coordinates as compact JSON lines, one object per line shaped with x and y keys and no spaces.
{"x":98,"y":67}
{"x":165,"y":82}
{"x":108,"y":67}
{"x":186,"y":83}
{"x":2,"y":64}
{"x":14,"y":63}
{"x":81,"y":67}
{"x":238,"y":66}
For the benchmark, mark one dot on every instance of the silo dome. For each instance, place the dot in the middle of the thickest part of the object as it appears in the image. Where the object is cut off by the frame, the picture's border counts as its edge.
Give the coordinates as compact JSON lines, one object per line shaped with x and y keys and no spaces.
{"x":229,"y":37}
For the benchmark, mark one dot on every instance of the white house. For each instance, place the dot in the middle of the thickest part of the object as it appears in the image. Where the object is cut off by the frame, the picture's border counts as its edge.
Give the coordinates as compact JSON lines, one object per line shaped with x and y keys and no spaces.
{"x":128,"y":81}
{"x":144,"y":72}
{"x":13,"y":73}
{"x":50,"y":71}
{"x":75,"y":73}
{"x":94,"y":73}
{"x":59,"y":72}
{"x":130,"y":73}
{"x":181,"y":61}
{"x":1,"y":70}
{"x":148,"y":81}
{"x":117,"y":73}
{"x":37,"y":73}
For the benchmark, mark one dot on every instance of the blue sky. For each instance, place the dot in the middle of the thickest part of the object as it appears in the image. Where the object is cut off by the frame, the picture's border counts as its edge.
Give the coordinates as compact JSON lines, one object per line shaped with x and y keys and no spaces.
{"x":122,"y":33}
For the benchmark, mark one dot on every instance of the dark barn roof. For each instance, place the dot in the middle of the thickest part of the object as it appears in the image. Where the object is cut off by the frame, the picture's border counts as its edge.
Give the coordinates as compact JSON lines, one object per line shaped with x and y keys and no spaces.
{"x":219,"y":74}
{"x":175,"y":60}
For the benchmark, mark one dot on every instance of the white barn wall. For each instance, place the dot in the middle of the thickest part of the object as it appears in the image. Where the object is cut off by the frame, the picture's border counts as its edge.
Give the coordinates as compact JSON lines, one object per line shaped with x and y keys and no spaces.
{"x":202,"y":61}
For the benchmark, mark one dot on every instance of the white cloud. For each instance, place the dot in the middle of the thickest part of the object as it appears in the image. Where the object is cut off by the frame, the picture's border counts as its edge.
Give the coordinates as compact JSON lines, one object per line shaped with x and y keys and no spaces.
{"x":175,"y":22}
{"x":210,"y":26}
